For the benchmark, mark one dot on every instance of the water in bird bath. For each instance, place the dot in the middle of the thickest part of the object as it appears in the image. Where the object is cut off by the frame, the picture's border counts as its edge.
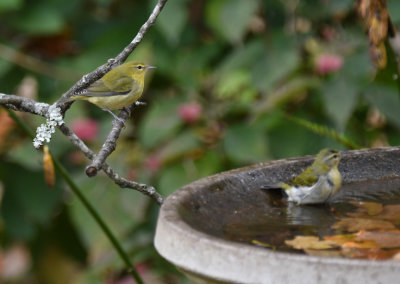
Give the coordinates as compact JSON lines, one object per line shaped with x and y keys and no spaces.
{"x":362,"y":222}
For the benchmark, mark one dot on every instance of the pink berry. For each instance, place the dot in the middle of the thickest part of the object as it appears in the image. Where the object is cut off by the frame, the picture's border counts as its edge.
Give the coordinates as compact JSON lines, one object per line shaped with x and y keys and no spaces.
{"x":190,"y":112}
{"x":86,"y":129}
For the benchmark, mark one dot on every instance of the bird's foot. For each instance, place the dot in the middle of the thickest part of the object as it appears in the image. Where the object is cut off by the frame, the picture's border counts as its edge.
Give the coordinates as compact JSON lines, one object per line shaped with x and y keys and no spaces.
{"x":115,"y":116}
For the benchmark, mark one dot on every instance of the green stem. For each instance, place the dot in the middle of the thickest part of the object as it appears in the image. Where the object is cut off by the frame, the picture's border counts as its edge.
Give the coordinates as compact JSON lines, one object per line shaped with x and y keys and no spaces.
{"x":324,"y":131}
{"x":99,"y":221}
{"x":96,"y":216}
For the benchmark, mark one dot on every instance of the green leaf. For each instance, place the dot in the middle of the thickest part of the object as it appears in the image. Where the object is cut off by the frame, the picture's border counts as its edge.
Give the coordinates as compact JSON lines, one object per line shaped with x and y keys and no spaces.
{"x":172,"y":178}
{"x":339,"y":6}
{"x":358,"y":67}
{"x":208,"y":164}
{"x":245,"y":144}
{"x":160,"y":122}
{"x":184,"y":143}
{"x":236,"y":84}
{"x":387,"y":100}
{"x":21,"y":151}
{"x":394,"y":10}
{"x":278,"y":60}
{"x":40,"y":20}
{"x":9,"y":5}
{"x":104,"y":3}
{"x":340,"y":97}
{"x":172,"y":20}
{"x":27,"y":200}
{"x":242,"y":57}
{"x":235,"y":17}
{"x":288,"y":139}
{"x":231,"y":17}
{"x":178,"y":175}
{"x":5,"y":66}
{"x":318,"y":10}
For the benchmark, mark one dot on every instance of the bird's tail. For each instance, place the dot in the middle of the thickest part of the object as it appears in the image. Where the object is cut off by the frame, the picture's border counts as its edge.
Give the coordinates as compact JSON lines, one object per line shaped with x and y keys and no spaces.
{"x":72,"y":98}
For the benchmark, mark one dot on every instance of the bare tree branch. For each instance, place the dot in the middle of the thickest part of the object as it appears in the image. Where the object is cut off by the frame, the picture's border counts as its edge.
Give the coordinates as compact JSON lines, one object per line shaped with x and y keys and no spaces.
{"x":110,"y":143}
{"x":23,"y":104}
{"x":122,"y":182}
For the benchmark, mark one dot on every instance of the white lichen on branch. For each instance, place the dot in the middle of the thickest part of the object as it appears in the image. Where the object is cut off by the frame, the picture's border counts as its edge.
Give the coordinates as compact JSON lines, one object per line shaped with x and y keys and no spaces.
{"x":44,"y":131}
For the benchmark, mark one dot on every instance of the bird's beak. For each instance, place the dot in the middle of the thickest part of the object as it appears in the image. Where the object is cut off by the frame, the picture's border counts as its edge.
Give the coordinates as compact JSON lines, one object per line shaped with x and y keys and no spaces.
{"x":150,"y":67}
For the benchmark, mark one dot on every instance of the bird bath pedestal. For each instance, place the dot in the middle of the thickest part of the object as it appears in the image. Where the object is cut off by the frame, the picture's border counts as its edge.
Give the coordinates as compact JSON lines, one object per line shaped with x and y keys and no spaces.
{"x":192,"y":232}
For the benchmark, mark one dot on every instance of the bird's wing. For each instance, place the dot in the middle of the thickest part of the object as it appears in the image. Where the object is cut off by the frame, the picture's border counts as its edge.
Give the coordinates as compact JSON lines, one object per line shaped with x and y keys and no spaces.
{"x":306,"y":178}
{"x":121,"y":86}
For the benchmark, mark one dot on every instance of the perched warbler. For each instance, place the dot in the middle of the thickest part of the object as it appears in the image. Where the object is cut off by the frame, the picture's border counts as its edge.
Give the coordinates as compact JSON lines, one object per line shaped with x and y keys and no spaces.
{"x":318,"y":182}
{"x":118,"y":88}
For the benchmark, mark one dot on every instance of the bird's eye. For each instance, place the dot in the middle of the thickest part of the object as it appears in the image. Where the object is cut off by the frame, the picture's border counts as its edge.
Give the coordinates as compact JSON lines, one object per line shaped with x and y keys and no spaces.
{"x":335,"y":156}
{"x":140,"y":67}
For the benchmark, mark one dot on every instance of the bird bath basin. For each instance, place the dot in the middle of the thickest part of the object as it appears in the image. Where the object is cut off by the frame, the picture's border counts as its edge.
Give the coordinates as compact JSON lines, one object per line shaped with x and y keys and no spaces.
{"x":208,"y":229}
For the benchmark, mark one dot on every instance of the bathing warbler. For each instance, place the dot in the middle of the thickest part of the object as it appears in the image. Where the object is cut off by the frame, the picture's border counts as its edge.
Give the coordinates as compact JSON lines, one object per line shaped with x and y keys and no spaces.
{"x":118,"y":88}
{"x":318,"y":182}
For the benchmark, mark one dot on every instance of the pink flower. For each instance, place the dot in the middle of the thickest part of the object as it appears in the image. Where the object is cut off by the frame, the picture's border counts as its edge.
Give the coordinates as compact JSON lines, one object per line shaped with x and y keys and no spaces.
{"x":327,"y":63}
{"x":152,"y":163}
{"x":190,"y":112}
{"x":86,"y":129}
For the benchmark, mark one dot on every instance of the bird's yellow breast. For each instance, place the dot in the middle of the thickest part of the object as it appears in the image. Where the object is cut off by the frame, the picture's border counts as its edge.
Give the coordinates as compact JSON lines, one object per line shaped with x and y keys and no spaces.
{"x":114,"y":102}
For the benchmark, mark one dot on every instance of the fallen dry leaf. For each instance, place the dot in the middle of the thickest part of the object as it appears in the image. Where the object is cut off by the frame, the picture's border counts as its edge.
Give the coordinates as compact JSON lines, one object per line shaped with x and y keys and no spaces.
{"x":358,"y":224}
{"x":340,"y":240}
{"x":379,"y":55}
{"x":48,"y":167}
{"x":366,"y":208}
{"x":377,"y":20}
{"x":310,"y":242}
{"x":324,"y":253}
{"x":361,"y":245}
{"x":6,"y":125}
{"x":390,"y":213}
{"x":383,"y":239}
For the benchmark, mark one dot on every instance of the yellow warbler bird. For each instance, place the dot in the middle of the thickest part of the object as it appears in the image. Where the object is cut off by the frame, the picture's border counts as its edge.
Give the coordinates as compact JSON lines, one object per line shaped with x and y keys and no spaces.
{"x":118,"y":88}
{"x":317,"y":183}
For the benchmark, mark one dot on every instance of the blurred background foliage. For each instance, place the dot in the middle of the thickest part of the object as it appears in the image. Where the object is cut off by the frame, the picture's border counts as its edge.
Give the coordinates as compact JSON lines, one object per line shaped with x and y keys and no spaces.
{"x":229,"y":75}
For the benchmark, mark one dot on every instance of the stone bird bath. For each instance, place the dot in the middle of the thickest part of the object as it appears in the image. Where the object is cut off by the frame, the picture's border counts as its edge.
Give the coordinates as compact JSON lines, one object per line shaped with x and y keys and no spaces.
{"x":190,"y":229}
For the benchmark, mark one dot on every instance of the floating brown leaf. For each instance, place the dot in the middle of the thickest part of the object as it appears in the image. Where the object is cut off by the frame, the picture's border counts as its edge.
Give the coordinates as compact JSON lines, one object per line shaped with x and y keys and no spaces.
{"x":310,"y":242}
{"x":390,"y":213}
{"x":358,"y":224}
{"x":366,"y":209}
{"x":324,"y":253}
{"x":361,"y":245}
{"x":340,"y":240}
{"x":388,"y":239}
